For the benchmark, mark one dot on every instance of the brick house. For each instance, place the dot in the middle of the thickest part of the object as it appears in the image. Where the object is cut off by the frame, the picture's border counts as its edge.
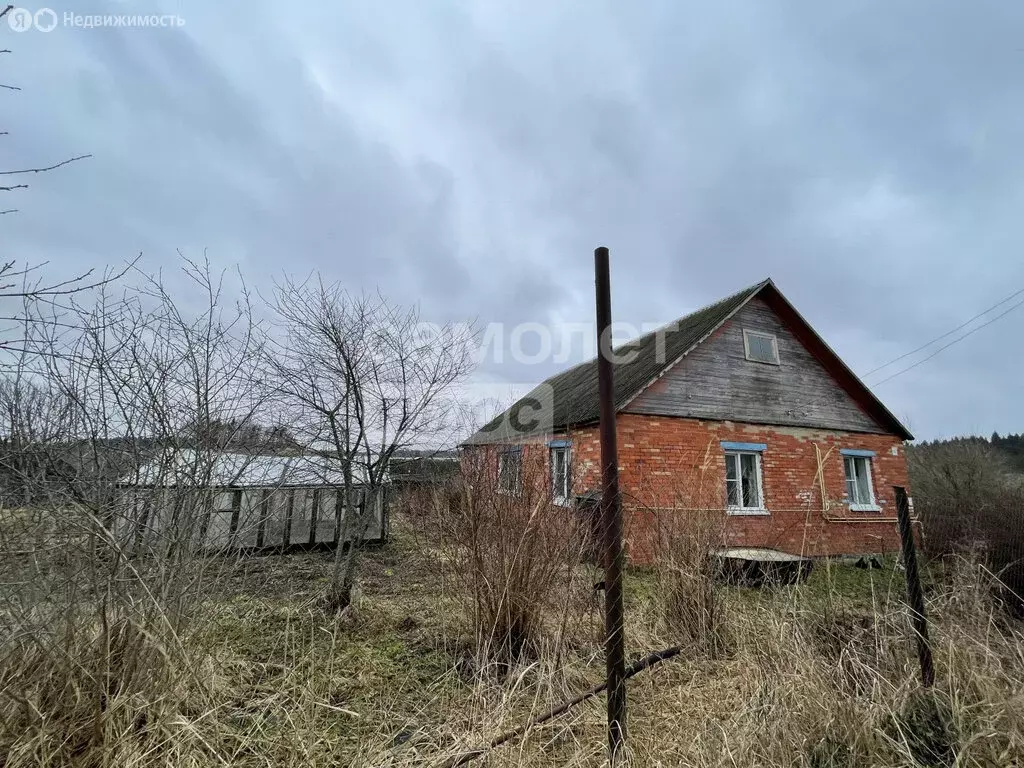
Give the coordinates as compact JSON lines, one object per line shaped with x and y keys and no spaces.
{"x":739,"y":408}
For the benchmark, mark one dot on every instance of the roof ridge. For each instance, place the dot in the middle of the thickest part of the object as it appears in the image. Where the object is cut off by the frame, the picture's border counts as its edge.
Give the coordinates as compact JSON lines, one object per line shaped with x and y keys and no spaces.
{"x":577,"y":384}
{"x":749,"y":289}
{"x":752,"y":289}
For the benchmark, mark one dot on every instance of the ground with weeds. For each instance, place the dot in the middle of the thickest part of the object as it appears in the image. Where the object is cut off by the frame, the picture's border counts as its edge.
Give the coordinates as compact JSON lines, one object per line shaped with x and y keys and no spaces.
{"x":398,"y":680}
{"x":821,"y":674}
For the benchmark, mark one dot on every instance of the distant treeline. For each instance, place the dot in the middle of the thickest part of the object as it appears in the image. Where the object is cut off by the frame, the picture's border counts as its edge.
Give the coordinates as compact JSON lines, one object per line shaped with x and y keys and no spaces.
{"x":1011,"y":446}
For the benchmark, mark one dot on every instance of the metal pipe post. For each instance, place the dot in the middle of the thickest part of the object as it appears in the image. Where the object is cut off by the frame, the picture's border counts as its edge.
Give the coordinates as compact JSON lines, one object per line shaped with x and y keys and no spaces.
{"x":611,"y":513}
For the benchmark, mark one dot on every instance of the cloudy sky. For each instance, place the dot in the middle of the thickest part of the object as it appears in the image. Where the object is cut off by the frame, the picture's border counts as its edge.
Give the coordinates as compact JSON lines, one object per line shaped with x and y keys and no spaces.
{"x":471,"y":155}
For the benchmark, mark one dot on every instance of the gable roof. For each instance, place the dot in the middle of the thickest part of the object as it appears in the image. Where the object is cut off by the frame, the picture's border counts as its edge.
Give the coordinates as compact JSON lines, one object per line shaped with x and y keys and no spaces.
{"x":570,"y":398}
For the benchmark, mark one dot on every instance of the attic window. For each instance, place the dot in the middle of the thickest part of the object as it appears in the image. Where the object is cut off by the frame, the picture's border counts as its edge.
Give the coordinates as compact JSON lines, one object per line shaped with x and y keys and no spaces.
{"x":761,"y":347}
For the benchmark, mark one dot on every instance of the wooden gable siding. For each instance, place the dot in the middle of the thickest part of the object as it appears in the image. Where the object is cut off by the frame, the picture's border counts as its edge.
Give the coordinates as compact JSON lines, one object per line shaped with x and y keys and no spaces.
{"x":716,"y":381}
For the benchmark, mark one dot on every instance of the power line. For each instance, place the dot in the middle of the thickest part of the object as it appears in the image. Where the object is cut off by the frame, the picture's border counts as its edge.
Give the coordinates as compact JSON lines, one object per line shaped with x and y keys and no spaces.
{"x":963,"y":325}
{"x":954,"y":341}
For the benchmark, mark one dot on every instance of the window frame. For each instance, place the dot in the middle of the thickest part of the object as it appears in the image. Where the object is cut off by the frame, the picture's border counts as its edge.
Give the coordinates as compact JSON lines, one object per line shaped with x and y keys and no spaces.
{"x":853,"y":456}
{"x":747,"y":333}
{"x":503,"y":454}
{"x":561,"y":447}
{"x":739,"y":450}
{"x":218,"y":507}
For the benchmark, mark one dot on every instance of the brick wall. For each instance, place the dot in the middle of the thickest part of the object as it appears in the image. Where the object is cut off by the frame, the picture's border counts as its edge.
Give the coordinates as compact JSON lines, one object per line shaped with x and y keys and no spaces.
{"x":669,"y":466}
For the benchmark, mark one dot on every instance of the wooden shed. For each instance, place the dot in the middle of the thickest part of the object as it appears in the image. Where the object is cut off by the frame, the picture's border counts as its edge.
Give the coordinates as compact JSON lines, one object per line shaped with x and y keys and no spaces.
{"x":241,"y":501}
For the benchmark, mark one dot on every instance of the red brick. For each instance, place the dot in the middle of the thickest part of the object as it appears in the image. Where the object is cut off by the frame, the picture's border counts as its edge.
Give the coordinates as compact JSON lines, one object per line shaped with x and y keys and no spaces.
{"x":672,"y":465}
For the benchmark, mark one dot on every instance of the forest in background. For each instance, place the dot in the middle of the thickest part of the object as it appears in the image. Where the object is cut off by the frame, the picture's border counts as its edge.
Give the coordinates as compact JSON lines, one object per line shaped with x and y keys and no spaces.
{"x":1011,"y":446}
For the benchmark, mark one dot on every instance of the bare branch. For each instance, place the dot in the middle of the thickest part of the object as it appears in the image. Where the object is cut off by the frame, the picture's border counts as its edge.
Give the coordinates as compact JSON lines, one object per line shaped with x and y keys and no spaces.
{"x":464,"y":758}
{"x":72,"y":285}
{"x":48,"y":168}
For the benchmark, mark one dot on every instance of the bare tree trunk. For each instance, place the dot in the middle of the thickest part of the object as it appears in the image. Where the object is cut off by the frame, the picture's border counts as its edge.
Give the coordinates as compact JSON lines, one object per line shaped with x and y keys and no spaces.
{"x":339,"y":595}
{"x":346,"y":559}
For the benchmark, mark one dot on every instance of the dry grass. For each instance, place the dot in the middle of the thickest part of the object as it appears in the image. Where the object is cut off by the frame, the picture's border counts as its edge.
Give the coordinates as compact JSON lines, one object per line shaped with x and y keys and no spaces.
{"x":969,"y":500}
{"x":816,"y":675}
{"x":516,"y":558}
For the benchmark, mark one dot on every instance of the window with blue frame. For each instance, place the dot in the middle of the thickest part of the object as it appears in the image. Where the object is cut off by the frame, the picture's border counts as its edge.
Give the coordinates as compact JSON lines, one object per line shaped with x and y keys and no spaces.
{"x":744,"y":483}
{"x":860,"y":489}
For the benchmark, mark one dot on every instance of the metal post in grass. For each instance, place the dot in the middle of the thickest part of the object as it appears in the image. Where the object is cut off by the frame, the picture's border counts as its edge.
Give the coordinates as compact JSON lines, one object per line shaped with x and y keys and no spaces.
{"x":915,"y":596}
{"x":611,"y":514}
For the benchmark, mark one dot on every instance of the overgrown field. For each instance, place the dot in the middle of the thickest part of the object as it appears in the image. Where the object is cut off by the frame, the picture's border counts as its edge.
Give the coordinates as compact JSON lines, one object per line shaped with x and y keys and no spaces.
{"x":822,"y":674}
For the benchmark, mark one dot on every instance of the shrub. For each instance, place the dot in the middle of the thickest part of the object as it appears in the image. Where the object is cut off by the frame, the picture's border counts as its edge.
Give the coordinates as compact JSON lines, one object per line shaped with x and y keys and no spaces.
{"x":514,"y":554}
{"x":967,"y":499}
{"x":688,"y":532}
{"x":690,"y":592}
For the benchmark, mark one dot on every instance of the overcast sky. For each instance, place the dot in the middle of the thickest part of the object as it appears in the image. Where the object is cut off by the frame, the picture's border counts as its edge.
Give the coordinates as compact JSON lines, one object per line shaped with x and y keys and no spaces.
{"x":470,"y":156}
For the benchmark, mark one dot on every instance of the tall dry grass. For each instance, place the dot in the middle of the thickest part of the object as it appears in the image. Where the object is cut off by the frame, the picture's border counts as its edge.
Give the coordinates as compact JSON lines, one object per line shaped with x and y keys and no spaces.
{"x":686,"y":512}
{"x":517,"y":557}
{"x":181,"y":666}
{"x":841,"y":688}
{"x":690,"y":594}
{"x":809,"y":678}
{"x":969,"y":500}
{"x":99,"y":662}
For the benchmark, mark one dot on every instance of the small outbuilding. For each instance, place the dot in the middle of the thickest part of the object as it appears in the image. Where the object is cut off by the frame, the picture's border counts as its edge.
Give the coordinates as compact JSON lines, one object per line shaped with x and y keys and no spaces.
{"x":242,"y":501}
{"x":423,"y":467}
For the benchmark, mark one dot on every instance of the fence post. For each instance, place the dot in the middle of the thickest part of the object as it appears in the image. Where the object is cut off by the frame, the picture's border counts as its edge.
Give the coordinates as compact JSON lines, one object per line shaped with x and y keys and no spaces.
{"x":915,"y":597}
{"x":611,"y":509}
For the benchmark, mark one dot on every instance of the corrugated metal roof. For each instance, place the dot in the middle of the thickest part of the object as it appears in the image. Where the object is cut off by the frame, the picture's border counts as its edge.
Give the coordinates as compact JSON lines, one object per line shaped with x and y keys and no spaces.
{"x":237,"y":470}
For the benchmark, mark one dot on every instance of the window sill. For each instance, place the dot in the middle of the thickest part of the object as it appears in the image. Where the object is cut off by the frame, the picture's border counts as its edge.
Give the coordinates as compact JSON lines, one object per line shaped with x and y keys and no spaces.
{"x":865,"y":508}
{"x":742,"y":511}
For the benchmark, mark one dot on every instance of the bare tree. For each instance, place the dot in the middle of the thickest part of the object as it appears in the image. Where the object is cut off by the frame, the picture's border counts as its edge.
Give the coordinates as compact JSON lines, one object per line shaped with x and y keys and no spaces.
{"x":963,"y":471}
{"x":101,"y":391}
{"x":35,"y":418}
{"x":101,"y":587}
{"x":145,"y":373}
{"x":361,"y":378}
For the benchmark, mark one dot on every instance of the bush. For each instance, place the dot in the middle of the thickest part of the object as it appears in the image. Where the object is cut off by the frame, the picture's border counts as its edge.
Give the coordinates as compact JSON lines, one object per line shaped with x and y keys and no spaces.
{"x":691,"y":596}
{"x":967,"y":499}
{"x":516,"y":557}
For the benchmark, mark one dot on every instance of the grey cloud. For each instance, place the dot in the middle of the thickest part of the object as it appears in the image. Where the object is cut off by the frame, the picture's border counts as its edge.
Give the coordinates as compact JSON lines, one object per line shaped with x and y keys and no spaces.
{"x":471,"y":157}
